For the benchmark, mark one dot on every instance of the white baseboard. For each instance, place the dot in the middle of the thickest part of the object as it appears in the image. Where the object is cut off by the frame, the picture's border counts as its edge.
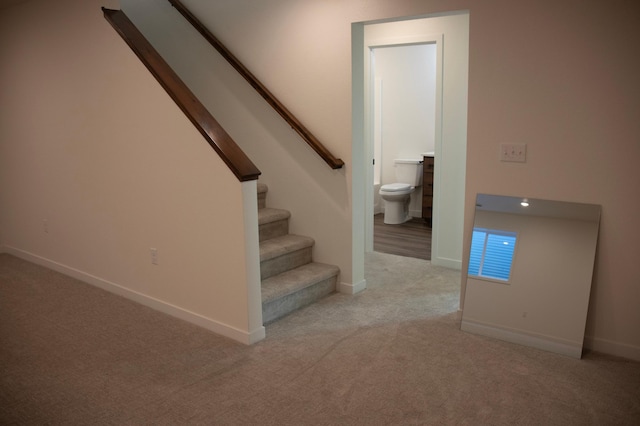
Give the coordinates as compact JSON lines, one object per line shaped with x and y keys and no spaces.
{"x":609,"y":347}
{"x":447,"y":263}
{"x":572,"y":349}
{"x":346,"y":288}
{"x":215,"y":326}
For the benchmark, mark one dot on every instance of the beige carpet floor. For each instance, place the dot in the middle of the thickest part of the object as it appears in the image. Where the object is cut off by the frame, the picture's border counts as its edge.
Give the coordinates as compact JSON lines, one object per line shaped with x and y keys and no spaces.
{"x":72,"y":354}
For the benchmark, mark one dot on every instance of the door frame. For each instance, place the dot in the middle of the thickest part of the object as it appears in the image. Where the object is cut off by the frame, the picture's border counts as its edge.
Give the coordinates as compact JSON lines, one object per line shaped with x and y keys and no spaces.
{"x":369,"y":122}
{"x":448,"y":244}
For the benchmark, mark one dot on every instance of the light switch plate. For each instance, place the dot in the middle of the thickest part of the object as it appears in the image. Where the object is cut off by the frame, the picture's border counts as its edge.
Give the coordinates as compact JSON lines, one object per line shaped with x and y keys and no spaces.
{"x":513,"y":152}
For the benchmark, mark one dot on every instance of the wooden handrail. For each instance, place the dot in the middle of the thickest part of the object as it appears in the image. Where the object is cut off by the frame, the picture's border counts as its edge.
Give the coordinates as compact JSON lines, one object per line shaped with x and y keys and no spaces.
{"x":333,"y":162}
{"x":215,"y":135}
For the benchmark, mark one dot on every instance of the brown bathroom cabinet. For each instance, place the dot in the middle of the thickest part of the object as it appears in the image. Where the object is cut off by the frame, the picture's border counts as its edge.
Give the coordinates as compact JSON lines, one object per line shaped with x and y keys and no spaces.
{"x":427,"y":190}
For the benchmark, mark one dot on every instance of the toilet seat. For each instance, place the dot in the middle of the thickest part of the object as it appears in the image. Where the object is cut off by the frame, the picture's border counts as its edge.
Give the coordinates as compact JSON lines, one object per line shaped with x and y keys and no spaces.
{"x":395,"y":187}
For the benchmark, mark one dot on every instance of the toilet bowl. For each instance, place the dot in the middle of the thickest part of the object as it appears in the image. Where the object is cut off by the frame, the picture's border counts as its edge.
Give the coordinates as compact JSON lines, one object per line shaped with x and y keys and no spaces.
{"x":397,"y":196}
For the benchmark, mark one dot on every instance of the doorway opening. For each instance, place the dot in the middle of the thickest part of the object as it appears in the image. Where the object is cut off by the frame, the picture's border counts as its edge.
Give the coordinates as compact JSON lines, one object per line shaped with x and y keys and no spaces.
{"x":449,"y":33}
{"x":404,"y":106}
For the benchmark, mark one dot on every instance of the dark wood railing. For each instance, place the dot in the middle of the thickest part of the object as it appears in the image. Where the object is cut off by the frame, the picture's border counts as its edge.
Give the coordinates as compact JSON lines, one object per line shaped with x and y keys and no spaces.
{"x":333,"y":162}
{"x":217,"y":137}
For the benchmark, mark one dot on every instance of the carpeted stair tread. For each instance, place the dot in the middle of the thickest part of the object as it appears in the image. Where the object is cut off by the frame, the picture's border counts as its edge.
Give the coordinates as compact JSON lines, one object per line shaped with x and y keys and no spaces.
{"x":279,"y":246}
{"x":262,"y":188}
{"x":296,"y":279}
{"x":268,"y":215}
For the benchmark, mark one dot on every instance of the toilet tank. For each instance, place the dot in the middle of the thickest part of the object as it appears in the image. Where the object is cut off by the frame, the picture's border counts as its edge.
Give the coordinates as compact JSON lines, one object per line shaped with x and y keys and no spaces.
{"x":409,"y":171}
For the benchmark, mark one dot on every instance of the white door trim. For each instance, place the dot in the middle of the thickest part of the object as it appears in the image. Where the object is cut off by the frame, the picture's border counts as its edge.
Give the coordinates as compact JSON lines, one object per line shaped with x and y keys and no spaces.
{"x":369,"y":123}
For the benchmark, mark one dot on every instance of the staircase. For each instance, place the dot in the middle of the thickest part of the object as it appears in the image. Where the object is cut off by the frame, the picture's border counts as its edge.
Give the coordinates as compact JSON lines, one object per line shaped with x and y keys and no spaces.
{"x":290,"y":280}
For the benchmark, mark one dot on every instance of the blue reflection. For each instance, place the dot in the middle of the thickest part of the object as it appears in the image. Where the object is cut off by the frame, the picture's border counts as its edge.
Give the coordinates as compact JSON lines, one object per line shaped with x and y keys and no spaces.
{"x":491,"y":253}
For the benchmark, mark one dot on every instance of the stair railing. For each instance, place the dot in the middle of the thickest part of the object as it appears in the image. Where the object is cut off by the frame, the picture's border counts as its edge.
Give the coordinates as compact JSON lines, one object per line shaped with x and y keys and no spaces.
{"x":216,"y":136}
{"x":307,"y":136}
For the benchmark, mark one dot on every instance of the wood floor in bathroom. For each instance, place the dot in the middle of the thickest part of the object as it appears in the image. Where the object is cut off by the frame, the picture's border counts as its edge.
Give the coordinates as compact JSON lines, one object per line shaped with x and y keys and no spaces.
{"x":410,"y":239}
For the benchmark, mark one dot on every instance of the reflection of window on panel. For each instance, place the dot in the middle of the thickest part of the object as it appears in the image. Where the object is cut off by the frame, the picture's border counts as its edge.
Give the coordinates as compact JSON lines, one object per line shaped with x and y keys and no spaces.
{"x":492,"y":253}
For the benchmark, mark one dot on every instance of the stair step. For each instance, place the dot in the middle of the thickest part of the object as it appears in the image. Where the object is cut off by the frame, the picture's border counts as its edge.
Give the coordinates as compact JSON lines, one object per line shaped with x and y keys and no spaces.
{"x":290,"y":280}
{"x":262,"y":195}
{"x":283,"y":253}
{"x":293,"y":289}
{"x":272,"y":223}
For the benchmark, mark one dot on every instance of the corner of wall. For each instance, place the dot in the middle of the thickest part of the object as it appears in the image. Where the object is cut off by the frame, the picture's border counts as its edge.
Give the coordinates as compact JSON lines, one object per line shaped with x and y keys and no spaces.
{"x":609,"y":347}
{"x":346,"y":288}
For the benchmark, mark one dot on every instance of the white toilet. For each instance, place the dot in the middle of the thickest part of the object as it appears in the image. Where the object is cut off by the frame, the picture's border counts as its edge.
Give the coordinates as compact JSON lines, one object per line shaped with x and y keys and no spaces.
{"x":397,"y":196}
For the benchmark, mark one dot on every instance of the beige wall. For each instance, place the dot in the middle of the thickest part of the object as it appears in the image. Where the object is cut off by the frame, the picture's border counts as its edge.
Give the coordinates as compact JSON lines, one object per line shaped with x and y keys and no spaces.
{"x":560,"y":76}
{"x":92,"y":144}
{"x":298,"y":179}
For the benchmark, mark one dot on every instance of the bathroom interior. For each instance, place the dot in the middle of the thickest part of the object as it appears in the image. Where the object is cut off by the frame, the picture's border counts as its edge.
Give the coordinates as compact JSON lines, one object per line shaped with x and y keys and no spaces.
{"x":404,"y":109}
